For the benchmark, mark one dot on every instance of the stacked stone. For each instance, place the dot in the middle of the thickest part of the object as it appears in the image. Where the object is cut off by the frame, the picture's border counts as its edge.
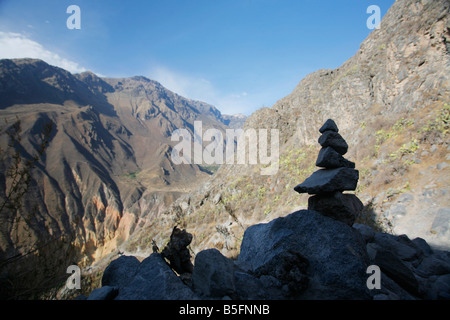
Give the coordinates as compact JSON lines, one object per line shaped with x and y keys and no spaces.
{"x":339,"y":174}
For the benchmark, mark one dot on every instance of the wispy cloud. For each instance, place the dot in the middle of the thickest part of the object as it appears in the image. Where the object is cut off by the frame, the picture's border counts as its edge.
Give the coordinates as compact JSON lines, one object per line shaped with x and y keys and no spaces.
{"x":16,"y":45}
{"x":184,"y":85}
{"x":198,"y":88}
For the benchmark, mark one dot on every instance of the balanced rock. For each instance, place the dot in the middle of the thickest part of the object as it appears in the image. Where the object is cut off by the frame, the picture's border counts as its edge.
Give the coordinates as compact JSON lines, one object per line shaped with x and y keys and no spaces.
{"x":329,"y":158}
{"x":329,"y":125}
{"x":328,"y":184}
{"x":339,"y":206}
{"x":326,"y":181}
{"x":334,"y":140}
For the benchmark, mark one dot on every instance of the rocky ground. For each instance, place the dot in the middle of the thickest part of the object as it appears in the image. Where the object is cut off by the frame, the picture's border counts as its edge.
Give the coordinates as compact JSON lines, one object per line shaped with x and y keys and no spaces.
{"x":304,"y":255}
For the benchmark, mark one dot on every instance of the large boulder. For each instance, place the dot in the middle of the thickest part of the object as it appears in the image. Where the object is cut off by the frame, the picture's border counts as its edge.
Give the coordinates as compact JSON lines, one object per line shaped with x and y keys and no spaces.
{"x":391,"y":290}
{"x":335,"y":253}
{"x":120,"y":272}
{"x":213,"y":274}
{"x":441,"y":222}
{"x":155,"y":280}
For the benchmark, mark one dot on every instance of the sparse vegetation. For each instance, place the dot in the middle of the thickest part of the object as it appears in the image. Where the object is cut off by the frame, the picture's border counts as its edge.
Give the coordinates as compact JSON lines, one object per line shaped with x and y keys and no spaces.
{"x":436,"y":127}
{"x":210,"y":169}
{"x":131,"y":175}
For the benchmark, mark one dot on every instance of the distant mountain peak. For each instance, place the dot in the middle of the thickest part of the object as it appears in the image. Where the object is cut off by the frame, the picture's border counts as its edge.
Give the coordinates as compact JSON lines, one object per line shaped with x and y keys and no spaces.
{"x":236,"y":120}
{"x":142,"y":78}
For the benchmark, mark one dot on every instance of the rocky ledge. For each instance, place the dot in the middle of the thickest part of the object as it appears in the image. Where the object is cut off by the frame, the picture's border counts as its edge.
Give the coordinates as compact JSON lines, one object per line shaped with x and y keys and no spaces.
{"x":304,"y":255}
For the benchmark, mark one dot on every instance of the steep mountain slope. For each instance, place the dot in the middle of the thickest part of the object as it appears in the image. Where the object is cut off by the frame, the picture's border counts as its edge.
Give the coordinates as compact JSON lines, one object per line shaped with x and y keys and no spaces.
{"x":391,"y":101}
{"x":107,"y":167}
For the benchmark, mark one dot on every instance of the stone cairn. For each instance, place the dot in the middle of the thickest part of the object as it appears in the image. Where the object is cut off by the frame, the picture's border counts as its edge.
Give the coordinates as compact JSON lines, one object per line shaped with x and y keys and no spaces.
{"x":326,"y":185}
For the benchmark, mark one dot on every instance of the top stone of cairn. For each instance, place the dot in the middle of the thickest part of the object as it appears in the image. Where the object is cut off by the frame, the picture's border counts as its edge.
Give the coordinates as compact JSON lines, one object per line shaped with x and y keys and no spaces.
{"x":329,"y":125}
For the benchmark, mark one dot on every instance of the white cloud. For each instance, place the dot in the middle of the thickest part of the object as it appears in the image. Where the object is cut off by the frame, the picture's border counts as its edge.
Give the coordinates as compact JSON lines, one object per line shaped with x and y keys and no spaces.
{"x":184,"y":85}
{"x":16,"y":45}
{"x":203,"y":90}
{"x":239,"y":95}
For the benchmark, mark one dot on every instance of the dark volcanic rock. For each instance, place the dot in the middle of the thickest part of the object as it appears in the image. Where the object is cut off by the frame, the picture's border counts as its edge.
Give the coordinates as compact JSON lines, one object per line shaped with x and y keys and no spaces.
{"x":305,"y":255}
{"x":329,"y":125}
{"x":329,"y":158}
{"x":334,"y":140}
{"x":396,"y":270}
{"x":440,"y":288}
{"x":366,"y":232}
{"x":391,"y":290}
{"x":401,"y":246}
{"x":104,"y":293}
{"x":335,"y":252}
{"x":248,"y":287}
{"x":288,"y":267}
{"x":120,"y":271}
{"x":423,"y":246}
{"x":435,"y":264}
{"x":154,"y":280}
{"x":213,"y":274}
{"x":328,"y":181}
{"x":342,"y":207}
{"x":177,"y":252}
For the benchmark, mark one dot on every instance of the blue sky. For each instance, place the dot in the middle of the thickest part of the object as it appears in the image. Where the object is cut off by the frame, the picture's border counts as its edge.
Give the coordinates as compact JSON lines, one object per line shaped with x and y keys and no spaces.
{"x":238,"y":55}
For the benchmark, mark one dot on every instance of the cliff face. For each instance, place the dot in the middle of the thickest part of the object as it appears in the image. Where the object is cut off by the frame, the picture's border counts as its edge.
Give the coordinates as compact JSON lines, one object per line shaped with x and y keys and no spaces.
{"x":391,"y":102}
